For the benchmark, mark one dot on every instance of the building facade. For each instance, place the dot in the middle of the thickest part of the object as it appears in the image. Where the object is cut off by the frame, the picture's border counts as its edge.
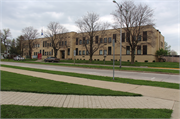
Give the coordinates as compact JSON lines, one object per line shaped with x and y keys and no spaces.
{"x":149,"y":43}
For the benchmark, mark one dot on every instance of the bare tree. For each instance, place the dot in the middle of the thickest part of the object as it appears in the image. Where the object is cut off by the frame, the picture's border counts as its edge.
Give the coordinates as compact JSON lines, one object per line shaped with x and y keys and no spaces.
{"x":21,"y":44}
{"x":4,"y":37}
{"x":30,"y":34}
{"x":56,"y":35}
{"x":92,"y":28}
{"x":135,"y":19}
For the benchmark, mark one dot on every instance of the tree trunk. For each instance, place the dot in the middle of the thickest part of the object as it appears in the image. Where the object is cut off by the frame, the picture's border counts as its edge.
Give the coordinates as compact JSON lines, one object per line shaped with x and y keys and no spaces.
{"x":132,"y":57}
{"x":55,"y":52}
{"x":90,"y":57}
{"x":30,"y":54}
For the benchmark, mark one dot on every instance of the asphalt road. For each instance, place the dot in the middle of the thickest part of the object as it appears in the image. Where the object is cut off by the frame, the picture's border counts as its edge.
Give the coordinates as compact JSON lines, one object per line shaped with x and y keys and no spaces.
{"x":123,"y":74}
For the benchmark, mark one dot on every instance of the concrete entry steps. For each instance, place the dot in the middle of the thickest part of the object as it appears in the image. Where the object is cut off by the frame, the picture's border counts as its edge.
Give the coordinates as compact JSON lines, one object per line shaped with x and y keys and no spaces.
{"x":84,"y":101}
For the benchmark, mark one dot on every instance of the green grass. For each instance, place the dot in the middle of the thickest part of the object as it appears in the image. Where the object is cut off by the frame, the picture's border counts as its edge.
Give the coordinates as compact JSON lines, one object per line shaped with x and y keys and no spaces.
{"x":149,"y":64}
{"x":167,"y":71}
{"x":103,"y":78}
{"x":18,"y":82}
{"x":15,"y":111}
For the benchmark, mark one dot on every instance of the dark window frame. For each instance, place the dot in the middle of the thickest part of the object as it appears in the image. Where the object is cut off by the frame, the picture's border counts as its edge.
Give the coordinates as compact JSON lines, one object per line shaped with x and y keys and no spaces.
{"x":144,"y":49}
{"x":144,"y":35}
{"x":123,"y":37}
{"x":138,"y":47}
{"x":128,"y":48}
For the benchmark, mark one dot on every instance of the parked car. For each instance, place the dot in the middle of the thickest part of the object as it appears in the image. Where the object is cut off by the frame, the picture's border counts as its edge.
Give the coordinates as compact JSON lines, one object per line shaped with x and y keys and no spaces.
{"x":51,"y":59}
{"x":18,"y":58}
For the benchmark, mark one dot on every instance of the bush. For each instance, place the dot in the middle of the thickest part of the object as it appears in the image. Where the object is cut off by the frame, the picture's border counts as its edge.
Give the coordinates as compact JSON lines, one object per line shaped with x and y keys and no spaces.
{"x":103,"y":59}
{"x":136,"y":61}
{"x":83,"y":59}
{"x":127,"y":60}
{"x":116,"y":60}
{"x":154,"y":61}
{"x":97,"y":59}
{"x":146,"y":61}
{"x":94,"y":59}
{"x":80,"y":59}
{"x":111,"y":59}
{"x":77,"y":59}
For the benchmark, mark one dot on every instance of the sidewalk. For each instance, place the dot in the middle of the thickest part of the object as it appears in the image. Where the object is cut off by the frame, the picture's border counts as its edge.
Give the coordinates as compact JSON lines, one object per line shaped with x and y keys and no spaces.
{"x":153,"y":97}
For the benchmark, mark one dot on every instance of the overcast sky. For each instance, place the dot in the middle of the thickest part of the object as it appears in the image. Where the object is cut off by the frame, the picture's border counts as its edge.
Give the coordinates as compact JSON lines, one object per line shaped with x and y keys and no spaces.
{"x":18,"y":14}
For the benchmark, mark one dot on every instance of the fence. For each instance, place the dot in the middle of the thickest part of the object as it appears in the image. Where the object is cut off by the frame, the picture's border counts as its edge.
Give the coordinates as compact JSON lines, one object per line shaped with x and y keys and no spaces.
{"x":172,"y":58}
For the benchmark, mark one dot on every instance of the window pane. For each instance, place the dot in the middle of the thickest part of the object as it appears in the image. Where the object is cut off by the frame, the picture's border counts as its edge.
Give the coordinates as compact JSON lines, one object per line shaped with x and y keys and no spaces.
{"x":79,"y":52}
{"x":145,"y":36}
{"x":83,"y":52}
{"x":87,"y":41}
{"x":144,"y":49}
{"x":105,"y":40}
{"x":87,"y":53}
{"x":100,"y":52}
{"x":128,"y":50}
{"x":105,"y":52}
{"x":123,"y":37}
{"x":109,"y":40}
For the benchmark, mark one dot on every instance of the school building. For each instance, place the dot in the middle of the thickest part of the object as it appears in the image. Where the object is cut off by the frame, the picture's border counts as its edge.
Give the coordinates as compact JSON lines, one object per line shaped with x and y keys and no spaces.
{"x":150,"y":40}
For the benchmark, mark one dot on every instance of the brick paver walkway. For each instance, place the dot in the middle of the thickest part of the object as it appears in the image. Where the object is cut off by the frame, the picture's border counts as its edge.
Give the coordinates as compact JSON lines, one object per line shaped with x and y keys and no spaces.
{"x":77,"y":101}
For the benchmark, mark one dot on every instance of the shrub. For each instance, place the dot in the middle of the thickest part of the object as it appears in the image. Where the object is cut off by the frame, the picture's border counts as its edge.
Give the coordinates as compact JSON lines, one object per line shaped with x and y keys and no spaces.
{"x":80,"y":59}
{"x":154,"y":61}
{"x":83,"y":59}
{"x":127,"y":60}
{"x":146,"y":61}
{"x":111,"y":59}
{"x":94,"y":59}
{"x":136,"y":61}
{"x":77,"y":59}
{"x":103,"y":59}
{"x":97,"y":59}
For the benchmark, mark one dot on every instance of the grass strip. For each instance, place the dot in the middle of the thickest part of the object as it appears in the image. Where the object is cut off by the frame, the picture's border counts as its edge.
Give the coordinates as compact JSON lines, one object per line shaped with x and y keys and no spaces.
{"x":16,"y":111}
{"x":103,"y":78}
{"x":18,"y":82}
{"x":167,"y":71}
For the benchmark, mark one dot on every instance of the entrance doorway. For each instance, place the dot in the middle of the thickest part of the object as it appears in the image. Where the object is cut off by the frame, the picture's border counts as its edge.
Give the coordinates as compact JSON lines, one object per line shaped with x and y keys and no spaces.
{"x":62,"y":54}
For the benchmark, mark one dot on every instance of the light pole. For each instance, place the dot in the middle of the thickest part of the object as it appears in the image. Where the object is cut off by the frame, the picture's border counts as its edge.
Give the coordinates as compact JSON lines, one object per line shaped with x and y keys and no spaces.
{"x":120,"y":8}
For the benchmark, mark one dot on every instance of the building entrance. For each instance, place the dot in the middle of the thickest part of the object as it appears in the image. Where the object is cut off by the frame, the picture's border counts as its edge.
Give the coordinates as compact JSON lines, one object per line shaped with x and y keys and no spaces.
{"x":62,"y":54}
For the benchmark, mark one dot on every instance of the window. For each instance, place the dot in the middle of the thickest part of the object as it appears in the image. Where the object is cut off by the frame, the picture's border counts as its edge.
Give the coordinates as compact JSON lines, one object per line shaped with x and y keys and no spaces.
{"x":105,"y":40}
{"x":83,"y":52}
{"x":52,"y":51}
{"x":79,"y":52}
{"x":127,"y":50}
{"x":109,"y":40}
{"x":50,"y":44}
{"x":68,"y":51}
{"x":87,"y":53}
{"x":138,"y":50}
{"x":80,"y":42}
{"x":59,"y":43}
{"x":144,"y":49}
{"x":114,"y":37}
{"x":100,"y":52}
{"x":62,"y":43}
{"x":87,"y":41}
{"x":109,"y":50}
{"x":47,"y":53}
{"x":40,"y":51}
{"x":34,"y":53}
{"x":84,"y":40}
{"x":139,"y":38}
{"x":101,"y":40}
{"x":65,"y":43}
{"x":76,"y":41}
{"x":128,"y":37}
{"x":43,"y":52}
{"x":76,"y":51}
{"x":96,"y":39}
{"x":145,"y":36}
{"x":123,"y":37}
{"x":105,"y":52}
{"x":133,"y":38}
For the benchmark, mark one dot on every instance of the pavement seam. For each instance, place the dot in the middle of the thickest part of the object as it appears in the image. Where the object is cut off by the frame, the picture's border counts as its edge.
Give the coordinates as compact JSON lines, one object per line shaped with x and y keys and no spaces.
{"x":64,"y":100}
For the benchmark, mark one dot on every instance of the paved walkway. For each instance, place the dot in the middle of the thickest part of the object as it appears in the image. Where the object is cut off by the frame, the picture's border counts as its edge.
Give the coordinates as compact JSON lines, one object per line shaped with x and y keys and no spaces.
{"x":153,"y":97}
{"x":77,"y":101}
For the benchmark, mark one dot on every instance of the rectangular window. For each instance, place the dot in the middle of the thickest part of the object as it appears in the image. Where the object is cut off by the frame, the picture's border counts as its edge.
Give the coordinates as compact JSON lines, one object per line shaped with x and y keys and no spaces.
{"x":123,"y":37}
{"x":40,"y":51}
{"x":43,"y":52}
{"x":76,"y":51}
{"x":105,"y":52}
{"x":65,"y":43}
{"x":83,"y":52}
{"x":84,"y":40}
{"x":76,"y":41}
{"x":128,"y":37}
{"x":96,"y":39}
{"x":34,"y":53}
{"x":87,"y":53}
{"x":105,"y":40}
{"x":100,"y":52}
{"x":138,"y":50}
{"x":109,"y":50}
{"x":80,"y":42}
{"x":127,"y":50}
{"x":145,"y":36}
{"x":62,"y":43}
{"x":109,"y":40}
{"x":87,"y":41}
{"x":79,"y":52}
{"x":144,"y":49}
{"x":139,"y":38}
{"x":43,"y":43}
{"x":114,"y":37}
{"x":59,"y":43}
{"x":47,"y":53}
{"x":50,"y":44}
{"x":101,"y":40}
{"x":52,"y":51}
{"x":68,"y":51}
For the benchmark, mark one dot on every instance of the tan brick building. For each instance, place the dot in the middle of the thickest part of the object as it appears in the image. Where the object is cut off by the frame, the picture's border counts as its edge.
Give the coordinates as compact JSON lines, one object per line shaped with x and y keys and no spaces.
{"x":147,"y":46}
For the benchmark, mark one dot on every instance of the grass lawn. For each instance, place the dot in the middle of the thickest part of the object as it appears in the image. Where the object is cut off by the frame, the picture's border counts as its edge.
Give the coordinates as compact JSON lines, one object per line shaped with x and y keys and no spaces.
{"x":109,"y":67}
{"x":18,"y":82}
{"x":15,"y":111}
{"x":103,"y":78}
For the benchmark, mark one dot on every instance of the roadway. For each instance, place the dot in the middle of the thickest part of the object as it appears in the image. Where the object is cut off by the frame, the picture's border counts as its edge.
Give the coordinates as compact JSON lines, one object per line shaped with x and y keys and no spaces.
{"x":173,"y":78}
